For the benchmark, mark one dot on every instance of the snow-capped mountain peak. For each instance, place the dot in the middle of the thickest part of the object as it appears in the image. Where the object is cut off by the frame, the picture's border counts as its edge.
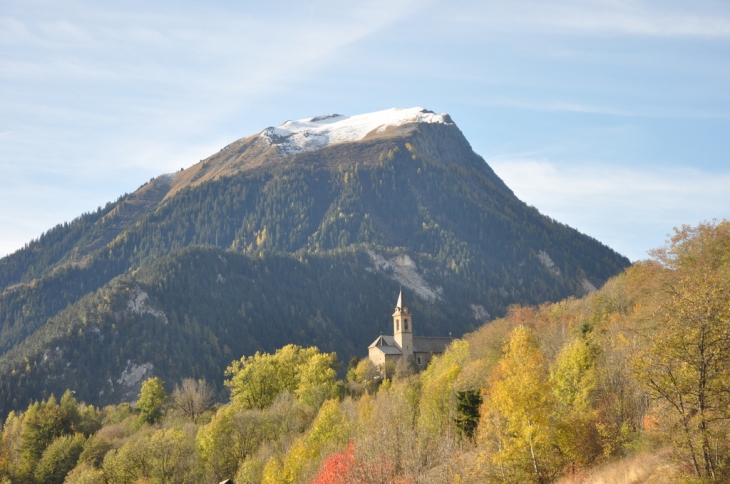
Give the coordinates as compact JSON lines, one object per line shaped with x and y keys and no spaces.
{"x":320,"y":131}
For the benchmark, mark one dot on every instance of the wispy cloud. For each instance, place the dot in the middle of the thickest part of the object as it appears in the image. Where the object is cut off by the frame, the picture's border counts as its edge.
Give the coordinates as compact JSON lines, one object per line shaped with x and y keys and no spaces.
{"x":626,"y":207}
{"x":606,"y":17}
{"x":577,"y":107}
{"x":103,"y":92}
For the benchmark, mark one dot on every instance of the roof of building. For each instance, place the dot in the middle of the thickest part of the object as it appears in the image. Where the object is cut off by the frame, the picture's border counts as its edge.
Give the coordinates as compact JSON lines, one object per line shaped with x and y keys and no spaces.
{"x":388,"y":350}
{"x":387,"y":345}
{"x":424,"y":344}
{"x":384,"y":340}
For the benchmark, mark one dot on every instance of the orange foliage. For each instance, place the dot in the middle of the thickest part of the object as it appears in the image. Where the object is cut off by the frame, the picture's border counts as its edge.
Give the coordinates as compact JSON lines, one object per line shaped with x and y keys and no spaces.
{"x":344,"y":468}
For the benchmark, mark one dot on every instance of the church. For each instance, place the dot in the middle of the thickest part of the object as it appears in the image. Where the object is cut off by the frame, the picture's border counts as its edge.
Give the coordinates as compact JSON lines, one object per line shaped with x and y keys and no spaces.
{"x":403,"y":346}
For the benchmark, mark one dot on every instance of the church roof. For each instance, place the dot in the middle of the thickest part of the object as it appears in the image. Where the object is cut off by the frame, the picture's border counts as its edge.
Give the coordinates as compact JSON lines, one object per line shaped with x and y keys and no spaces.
{"x":389,"y":350}
{"x":423,"y":344}
{"x":384,"y":340}
{"x":387,"y":345}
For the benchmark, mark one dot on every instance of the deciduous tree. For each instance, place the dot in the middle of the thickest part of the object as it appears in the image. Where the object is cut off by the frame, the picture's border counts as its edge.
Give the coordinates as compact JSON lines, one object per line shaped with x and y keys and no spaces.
{"x":518,"y":413}
{"x":686,"y":364}
{"x":151,"y":398}
{"x":192,"y":398}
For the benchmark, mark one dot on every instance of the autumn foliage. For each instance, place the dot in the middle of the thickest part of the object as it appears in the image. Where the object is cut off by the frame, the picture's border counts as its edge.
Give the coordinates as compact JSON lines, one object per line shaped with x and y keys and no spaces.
{"x":633,"y":378}
{"x":344,"y":468}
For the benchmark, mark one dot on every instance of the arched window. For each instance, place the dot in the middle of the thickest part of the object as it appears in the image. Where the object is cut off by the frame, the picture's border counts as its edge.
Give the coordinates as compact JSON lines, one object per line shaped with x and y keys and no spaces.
{"x":405,"y":322}
{"x":397,"y":325}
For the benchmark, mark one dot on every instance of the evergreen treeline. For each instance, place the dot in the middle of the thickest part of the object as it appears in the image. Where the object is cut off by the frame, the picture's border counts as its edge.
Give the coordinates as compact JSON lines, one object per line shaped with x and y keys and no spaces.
{"x":213,"y":305}
{"x":426,"y":195}
{"x":629,"y":381}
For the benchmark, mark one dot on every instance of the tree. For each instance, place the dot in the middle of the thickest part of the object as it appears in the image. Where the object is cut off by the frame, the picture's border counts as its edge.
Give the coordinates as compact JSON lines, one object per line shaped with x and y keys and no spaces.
{"x":95,"y":448}
{"x":518,"y":413}
{"x":317,"y":379}
{"x":164,"y":456}
{"x":151,"y":398}
{"x":350,"y":374}
{"x":43,"y":423}
{"x":367,"y":374}
{"x":230,"y":437}
{"x":251,"y":471}
{"x":11,"y":446}
{"x":192,"y":398}
{"x":337,"y":468}
{"x":467,"y":411}
{"x":85,"y":474}
{"x":686,"y":364}
{"x":574,"y":375}
{"x":59,"y":458}
{"x":574,"y":379}
{"x":257,"y":380}
{"x":438,"y":394}
{"x":329,"y":432}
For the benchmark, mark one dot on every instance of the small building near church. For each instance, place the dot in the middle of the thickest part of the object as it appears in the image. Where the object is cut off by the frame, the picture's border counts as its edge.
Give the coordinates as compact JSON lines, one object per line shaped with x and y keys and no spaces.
{"x":403,"y":346}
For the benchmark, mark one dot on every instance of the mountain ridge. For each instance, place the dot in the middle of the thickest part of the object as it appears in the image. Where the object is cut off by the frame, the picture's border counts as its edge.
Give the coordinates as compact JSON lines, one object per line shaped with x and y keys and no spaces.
{"x":416,"y":191}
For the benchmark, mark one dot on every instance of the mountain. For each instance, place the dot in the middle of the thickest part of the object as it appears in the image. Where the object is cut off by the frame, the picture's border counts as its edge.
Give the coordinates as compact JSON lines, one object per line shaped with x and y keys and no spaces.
{"x":301,"y":233}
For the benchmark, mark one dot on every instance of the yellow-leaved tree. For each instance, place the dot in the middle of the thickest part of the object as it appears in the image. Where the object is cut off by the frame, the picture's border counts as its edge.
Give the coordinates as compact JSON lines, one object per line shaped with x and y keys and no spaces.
{"x":686,"y":359}
{"x":257,"y":380}
{"x":438,"y":394}
{"x":517,"y":428}
{"x":686,"y":366}
{"x":329,"y":433}
{"x":574,"y":379}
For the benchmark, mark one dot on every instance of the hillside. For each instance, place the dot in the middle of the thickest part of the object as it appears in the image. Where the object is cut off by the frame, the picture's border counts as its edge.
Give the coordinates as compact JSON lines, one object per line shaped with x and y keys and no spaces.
{"x":626,"y":384}
{"x":407,"y":203}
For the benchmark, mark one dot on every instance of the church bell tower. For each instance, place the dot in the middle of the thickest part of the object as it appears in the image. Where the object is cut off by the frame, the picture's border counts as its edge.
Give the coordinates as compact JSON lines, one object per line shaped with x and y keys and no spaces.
{"x":403,"y":327}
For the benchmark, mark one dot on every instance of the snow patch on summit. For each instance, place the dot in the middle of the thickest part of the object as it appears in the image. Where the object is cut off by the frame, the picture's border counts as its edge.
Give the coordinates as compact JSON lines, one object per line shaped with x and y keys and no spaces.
{"x":320,"y":131}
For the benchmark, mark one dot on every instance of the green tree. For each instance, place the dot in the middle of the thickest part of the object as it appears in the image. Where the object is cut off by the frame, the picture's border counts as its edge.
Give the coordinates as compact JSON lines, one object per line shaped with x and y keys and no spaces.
{"x":85,"y":474}
{"x":165,"y":456}
{"x":257,"y":380}
{"x":467,"y":411}
{"x":230,"y":437}
{"x":59,"y":458}
{"x":95,"y":448}
{"x":42,"y":424}
{"x":367,"y":374}
{"x":151,"y":399}
{"x":317,"y":379}
{"x":11,"y":446}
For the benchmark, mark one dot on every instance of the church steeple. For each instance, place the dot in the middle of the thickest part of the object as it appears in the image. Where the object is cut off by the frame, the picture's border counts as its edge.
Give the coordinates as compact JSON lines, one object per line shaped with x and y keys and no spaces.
{"x":403,"y":327}
{"x":401,"y":304}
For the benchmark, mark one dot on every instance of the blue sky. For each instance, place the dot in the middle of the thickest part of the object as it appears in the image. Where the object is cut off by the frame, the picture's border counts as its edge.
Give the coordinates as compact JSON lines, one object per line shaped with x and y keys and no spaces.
{"x":611,"y":116}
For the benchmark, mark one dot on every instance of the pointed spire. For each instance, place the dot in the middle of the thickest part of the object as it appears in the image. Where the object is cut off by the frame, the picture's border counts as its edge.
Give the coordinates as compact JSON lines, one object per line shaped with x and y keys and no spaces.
{"x":401,"y":301}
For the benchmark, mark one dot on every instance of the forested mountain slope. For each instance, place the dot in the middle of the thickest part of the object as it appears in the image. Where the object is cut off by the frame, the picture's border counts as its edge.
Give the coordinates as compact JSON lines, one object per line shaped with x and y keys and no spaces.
{"x":626,"y":384}
{"x":407,"y":203}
